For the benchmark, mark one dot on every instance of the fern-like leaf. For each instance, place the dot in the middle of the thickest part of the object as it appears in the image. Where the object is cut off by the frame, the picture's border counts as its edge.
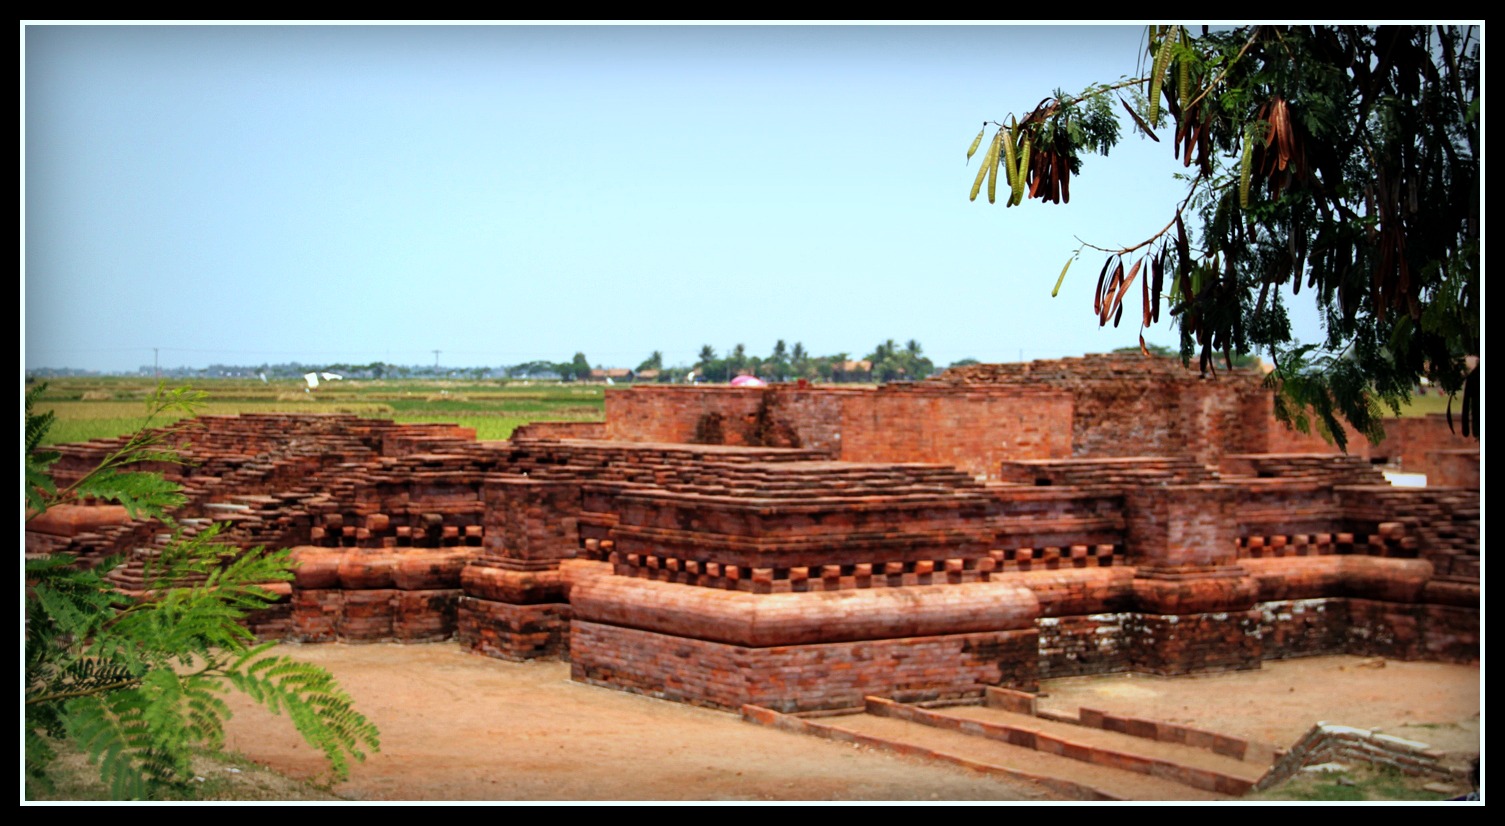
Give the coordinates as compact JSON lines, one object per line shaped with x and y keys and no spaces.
{"x":136,"y":682}
{"x":321,"y":711}
{"x":142,"y":494}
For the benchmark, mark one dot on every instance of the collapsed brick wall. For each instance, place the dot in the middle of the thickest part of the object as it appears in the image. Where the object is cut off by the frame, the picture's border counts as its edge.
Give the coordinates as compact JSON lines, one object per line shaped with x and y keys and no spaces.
{"x":972,"y":429}
{"x":1327,"y":743}
{"x":1130,"y":405}
{"x":1440,"y":525}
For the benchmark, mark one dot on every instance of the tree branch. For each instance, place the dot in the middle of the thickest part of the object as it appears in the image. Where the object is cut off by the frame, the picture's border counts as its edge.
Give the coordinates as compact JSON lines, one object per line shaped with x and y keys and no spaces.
{"x":1163,"y":230}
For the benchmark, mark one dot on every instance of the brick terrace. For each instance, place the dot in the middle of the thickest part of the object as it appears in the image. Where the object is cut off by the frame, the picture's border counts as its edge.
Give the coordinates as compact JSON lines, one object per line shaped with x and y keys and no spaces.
{"x":800,"y":547}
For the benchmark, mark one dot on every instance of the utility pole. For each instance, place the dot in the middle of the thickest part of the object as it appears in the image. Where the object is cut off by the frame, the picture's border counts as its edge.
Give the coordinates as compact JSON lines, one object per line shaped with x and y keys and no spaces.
{"x":156,"y":368}
{"x":436,"y":362}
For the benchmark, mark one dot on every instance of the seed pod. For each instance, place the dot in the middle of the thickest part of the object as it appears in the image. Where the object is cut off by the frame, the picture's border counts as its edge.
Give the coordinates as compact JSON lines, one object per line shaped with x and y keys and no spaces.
{"x":1157,"y":74}
{"x":976,"y":142}
{"x":989,"y":161}
{"x":1062,"y":279}
{"x":1018,"y":196}
{"x":1097,"y":294}
{"x":993,"y":175}
{"x":1009,"y":168}
{"x":1144,"y":288}
{"x":1246,"y":168}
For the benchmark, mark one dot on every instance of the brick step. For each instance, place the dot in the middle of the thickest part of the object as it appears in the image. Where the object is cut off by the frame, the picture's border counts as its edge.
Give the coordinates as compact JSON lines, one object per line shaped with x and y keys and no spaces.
{"x":1122,"y":746}
{"x":1073,"y":778}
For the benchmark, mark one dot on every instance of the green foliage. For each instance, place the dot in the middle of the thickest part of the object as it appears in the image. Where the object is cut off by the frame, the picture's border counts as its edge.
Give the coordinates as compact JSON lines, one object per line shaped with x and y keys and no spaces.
{"x":787,"y":363}
{"x":653,"y":362}
{"x":135,"y":681}
{"x":142,"y":493}
{"x":39,"y":487}
{"x":1340,"y":159}
{"x":579,"y":368}
{"x":892,"y":363}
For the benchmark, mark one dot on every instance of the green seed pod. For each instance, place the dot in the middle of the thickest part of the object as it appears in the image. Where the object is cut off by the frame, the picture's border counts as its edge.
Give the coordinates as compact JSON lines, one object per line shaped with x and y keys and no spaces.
{"x":976,"y":142}
{"x":1062,"y":279}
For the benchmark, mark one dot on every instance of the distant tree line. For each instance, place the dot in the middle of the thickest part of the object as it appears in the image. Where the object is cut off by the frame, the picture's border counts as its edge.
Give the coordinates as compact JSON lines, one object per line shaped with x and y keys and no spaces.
{"x":888,"y":361}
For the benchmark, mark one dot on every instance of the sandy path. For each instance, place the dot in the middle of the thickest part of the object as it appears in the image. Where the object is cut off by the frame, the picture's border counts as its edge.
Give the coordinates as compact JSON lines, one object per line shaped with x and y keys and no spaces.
{"x":461,"y":727}
{"x":456,"y":726}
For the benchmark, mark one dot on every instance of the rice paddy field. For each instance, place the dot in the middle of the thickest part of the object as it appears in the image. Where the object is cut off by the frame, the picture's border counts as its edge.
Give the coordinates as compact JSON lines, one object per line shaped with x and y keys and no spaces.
{"x":103,"y":407}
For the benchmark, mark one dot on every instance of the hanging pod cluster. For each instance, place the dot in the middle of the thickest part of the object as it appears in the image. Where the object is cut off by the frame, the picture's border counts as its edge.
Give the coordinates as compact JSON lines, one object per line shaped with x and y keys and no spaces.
{"x":1113,"y":283}
{"x":1010,"y":149}
{"x":1035,"y":155}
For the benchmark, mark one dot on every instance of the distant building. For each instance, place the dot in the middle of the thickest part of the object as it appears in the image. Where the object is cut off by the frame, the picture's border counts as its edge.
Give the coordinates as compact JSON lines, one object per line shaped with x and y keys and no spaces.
{"x":616,"y":374}
{"x":852,"y":371}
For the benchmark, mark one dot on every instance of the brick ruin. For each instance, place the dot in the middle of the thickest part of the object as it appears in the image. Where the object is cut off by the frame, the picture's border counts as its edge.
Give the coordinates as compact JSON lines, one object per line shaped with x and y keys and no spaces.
{"x":801,"y":547}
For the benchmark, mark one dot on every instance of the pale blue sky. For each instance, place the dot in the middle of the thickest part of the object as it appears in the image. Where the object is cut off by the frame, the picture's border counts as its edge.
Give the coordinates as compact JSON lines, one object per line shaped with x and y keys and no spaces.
{"x":324,"y":194}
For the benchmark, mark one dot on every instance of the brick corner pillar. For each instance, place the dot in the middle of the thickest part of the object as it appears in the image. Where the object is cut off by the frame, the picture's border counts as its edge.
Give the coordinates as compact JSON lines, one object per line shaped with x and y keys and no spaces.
{"x":1194,"y":604}
{"x":513,"y":605}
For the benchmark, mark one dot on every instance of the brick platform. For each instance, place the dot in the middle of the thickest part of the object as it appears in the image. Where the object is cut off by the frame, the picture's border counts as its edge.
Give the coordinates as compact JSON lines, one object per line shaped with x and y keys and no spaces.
{"x":800,"y":677}
{"x":798,"y":547}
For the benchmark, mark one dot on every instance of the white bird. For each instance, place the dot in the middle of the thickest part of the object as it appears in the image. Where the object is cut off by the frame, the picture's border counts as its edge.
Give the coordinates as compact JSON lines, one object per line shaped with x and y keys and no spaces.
{"x":332,"y":376}
{"x":312,"y":379}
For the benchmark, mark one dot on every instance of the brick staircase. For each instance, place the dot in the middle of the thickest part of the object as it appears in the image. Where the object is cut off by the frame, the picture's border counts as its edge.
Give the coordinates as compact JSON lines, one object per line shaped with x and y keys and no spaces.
{"x":1094,"y":756}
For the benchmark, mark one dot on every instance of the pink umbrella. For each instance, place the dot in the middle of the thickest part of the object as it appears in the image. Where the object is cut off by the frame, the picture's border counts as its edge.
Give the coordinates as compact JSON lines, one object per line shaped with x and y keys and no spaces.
{"x":748,"y":381}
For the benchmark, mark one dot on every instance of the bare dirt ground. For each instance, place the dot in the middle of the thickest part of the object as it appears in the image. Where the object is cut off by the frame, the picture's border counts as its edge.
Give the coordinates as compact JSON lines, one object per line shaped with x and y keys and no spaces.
{"x":456,"y":726}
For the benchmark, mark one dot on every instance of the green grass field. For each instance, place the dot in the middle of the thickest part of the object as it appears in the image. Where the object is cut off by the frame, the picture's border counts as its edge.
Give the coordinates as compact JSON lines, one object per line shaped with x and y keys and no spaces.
{"x":96,"y":408}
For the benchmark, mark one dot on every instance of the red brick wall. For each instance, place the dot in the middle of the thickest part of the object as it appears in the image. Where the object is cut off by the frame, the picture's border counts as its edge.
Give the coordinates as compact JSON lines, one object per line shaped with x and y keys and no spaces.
{"x":695,"y":415}
{"x":1440,"y":633}
{"x":974,"y":430}
{"x":800,"y":677}
{"x":375,"y":615}
{"x":1079,"y":645}
{"x":1418,"y":437}
{"x":513,"y":632}
{"x":1277,"y":507}
{"x":1185,"y":525}
{"x":1440,"y":525}
{"x":1304,"y":628}
{"x":1407,"y":441}
{"x":1129,"y":405}
{"x":530,"y":519}
{"x":971,"y":429}
{"x":1456,"y":468}
{"x":1188,"y":644}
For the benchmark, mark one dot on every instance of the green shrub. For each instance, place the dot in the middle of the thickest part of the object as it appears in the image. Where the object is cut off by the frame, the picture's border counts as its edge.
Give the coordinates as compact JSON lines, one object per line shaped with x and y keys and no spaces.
{"x":136,"y":681}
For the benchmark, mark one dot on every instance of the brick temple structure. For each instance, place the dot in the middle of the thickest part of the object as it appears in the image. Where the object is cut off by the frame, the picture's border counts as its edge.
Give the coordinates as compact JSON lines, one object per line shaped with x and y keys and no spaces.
{"x":801,"y":547}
